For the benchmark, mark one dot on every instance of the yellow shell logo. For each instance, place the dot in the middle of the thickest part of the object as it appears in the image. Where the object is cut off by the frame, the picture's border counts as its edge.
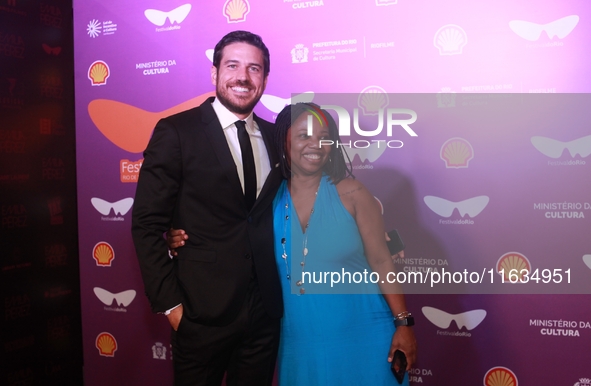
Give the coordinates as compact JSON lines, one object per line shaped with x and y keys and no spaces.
{"x":456,"y":153}
{"x":235,"y":11}
{"x":106,"y":344}
{"x":500,"y":376}
{"x":98,"y":72}
{"x":512,"y":265}
{"x":372,"y":99}
{"x":103,"y":253}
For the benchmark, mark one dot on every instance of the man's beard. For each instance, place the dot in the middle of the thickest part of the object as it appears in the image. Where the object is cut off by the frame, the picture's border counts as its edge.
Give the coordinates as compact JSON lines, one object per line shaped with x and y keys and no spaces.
{"x":236,"y":109}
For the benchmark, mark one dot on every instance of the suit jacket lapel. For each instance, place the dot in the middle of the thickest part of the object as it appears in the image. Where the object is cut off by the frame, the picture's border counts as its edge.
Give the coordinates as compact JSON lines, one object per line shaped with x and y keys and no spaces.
{"x":215,"y":134}
{"x":274,"y":178}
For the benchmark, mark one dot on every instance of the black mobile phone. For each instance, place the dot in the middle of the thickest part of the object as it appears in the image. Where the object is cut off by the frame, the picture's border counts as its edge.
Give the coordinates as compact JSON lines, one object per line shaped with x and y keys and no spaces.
{"x":395,"y":244}
{"x":399,"y":366}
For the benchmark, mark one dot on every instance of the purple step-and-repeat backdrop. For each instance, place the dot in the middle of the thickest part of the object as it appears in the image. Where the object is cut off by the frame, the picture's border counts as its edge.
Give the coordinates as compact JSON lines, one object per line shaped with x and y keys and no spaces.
{"x":497,"y":176}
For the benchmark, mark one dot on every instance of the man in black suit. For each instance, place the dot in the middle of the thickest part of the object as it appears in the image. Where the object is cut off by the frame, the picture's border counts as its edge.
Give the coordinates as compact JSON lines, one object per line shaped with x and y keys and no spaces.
{"x":221,"y":293}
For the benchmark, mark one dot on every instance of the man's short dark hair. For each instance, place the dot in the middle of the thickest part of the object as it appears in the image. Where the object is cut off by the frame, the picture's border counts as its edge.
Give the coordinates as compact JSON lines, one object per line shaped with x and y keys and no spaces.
{"x":242,"y":37}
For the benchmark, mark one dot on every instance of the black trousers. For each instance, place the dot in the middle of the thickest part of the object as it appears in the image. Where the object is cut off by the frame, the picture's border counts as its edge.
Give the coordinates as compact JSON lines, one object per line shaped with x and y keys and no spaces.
{"x":246,"y":349}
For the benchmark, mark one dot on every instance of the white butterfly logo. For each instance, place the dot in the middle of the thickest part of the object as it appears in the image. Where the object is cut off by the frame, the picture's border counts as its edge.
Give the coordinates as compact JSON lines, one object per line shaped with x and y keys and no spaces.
{"x":276,"y":104}
{"x":472,"y":206}
{"x":209,"y":54}
{"x":177,"y":15}
{"x":120,"y":207}
{"x":123,"y":298}
{"x":531,"y":31}
{"x":468,"y":319}
{"x":554,"y":148}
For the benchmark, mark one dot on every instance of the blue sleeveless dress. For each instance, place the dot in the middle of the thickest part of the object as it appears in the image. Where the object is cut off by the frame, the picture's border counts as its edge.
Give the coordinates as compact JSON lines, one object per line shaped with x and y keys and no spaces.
{"x":328,"y":338}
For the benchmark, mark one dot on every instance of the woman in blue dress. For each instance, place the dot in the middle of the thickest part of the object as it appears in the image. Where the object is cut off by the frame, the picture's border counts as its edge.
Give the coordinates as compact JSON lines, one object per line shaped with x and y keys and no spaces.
{"x":326,"y":221}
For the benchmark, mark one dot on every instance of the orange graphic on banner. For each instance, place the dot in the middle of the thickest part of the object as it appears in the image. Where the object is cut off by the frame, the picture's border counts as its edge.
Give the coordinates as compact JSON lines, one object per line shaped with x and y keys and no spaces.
{"x":500,"y":376}
{"x":106,"y":344}
{"x":130,"y":127}
{"x":514,"y":266}
{"x":103,"y":253}
{"x":98,"y":72}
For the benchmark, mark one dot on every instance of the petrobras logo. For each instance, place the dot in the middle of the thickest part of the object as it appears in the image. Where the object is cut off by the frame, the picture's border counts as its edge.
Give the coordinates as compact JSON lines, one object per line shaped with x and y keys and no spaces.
{"x":299,"y":54}
{"x":119,"y":208}
{"x":456,"y":153}
{"x":468,"y":320}
{"x":159,"y":18}
{"x":500,"y":376}
{"x":235,"y":11}
{"x":123,"y":299}
{"x":96,"y":28}
{"x":532,"y":31}
{"x":103,"y":253}
{"x":276,"y":103}
{"x":106,"y":344}
{"x":513,"y":267}
{"x":446,"y":97}
{"x":158,"y":351}
{"x":98,"y":72}
{"x":373,"y":100}
{"x":554,"y":149}
{"x":450,"y":39}
{"x":445,"y":208}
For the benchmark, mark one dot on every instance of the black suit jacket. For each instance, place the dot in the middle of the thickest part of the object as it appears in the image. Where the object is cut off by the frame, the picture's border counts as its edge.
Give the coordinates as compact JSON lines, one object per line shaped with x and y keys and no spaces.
{"x":189,"y":180}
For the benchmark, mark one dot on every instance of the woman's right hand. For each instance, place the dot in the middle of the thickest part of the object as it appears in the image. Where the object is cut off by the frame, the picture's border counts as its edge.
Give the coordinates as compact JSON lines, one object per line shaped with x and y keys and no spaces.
{"x":175,"y":239}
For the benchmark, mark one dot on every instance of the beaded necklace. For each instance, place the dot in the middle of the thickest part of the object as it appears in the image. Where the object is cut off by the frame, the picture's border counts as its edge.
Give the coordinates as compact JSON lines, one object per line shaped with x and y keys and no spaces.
{"x":299,"y":283}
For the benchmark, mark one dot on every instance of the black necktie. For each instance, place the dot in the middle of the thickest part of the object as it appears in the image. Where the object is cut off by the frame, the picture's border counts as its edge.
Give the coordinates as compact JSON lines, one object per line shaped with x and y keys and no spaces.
{"x":250,"y":174}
